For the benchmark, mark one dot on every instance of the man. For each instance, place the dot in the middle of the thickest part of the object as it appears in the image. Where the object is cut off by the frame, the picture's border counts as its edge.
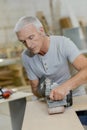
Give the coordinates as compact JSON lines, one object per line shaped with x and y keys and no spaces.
{"x":49,"y":56}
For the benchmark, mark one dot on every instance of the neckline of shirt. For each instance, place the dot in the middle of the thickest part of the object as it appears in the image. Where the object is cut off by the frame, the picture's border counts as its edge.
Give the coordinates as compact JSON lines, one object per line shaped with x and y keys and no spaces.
{"x":44,"y":56}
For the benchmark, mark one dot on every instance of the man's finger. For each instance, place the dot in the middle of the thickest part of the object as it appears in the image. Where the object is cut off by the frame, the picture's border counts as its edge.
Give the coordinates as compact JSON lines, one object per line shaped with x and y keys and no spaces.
{"x":52,"y":95}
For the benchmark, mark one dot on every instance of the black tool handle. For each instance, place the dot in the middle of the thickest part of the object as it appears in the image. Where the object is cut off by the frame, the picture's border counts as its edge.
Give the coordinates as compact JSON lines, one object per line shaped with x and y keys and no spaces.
{"x":69,"y":99}
{"x":41,"y":86}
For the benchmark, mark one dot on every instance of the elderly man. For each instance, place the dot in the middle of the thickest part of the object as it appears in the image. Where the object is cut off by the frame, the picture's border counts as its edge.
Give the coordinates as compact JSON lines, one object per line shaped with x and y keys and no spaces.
{"x":50,"y":56}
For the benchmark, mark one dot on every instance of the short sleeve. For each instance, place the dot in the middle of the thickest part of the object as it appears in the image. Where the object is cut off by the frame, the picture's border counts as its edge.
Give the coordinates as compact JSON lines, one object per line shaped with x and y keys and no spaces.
{"x":25,"y":61}
{"x":70,"y":50}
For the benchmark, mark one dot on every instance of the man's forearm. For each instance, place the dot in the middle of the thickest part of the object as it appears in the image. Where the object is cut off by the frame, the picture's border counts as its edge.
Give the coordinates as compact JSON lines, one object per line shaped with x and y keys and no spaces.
{"x":77,"y":80}
{"x":35,"y":92}
{"x":61,"y":91}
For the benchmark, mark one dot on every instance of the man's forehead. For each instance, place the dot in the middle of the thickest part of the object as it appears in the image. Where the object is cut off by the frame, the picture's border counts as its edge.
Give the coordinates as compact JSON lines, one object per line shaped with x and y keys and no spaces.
{"x":30,"y":25}
{"x":26,"y":31}
{"x":29,"y":28}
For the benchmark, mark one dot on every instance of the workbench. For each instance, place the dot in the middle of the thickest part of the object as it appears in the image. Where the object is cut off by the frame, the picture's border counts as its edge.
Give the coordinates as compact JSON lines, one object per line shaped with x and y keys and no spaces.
{"x":36,"y":116}
{"x":17,"y":105}
{"x":33,"y":115}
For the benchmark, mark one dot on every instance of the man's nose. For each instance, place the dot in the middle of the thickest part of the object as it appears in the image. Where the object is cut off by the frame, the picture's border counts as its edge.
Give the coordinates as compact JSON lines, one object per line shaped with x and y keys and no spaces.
{"x":28,"y":43}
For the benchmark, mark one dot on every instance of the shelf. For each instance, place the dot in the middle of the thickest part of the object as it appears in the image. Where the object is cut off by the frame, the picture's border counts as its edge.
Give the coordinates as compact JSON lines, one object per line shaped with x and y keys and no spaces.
{"x":84,"y":51}
{"x":6,"y":62}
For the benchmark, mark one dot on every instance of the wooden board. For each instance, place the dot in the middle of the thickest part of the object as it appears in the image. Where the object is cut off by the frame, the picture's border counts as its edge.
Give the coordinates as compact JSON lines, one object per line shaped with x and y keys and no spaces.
{"x":37,"y":118}
{"x":43,"y":20}
{"x":65,"y":22}
{"x":15,"y":96}
{"x":80,"y":103}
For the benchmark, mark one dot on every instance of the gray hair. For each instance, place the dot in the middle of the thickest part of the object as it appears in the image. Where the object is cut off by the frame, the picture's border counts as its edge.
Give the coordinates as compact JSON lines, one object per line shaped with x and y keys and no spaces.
{"x":25,"y":20}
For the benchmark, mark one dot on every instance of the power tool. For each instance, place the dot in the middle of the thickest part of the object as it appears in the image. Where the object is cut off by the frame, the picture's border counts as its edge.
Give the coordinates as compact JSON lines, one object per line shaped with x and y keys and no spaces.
{"x":44,"y":89}
{"x":5,"y":93}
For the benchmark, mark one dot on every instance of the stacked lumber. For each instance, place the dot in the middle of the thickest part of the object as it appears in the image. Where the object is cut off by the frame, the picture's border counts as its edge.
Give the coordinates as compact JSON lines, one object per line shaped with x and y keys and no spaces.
{"x":43,"y":20}
{"x":65,"y":23}
{"x":12,"y":75}
{"x":6,"y":77}
{"x":11,"y":69}
{"x":18,"y":75}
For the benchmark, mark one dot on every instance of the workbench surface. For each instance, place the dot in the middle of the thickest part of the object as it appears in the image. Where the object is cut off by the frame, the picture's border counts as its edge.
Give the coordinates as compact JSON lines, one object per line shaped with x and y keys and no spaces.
{"x":15,"y":96}
{"x":80,"y":103}
{"x":37,"y":117}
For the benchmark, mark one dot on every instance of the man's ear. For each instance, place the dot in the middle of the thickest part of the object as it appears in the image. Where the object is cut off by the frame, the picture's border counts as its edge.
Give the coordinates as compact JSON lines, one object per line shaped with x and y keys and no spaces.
{"x":42,"y":31}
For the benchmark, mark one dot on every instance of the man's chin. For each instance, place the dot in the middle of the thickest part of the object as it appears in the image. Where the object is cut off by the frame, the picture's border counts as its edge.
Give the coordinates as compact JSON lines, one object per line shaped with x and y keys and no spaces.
{"x":33,"y":52}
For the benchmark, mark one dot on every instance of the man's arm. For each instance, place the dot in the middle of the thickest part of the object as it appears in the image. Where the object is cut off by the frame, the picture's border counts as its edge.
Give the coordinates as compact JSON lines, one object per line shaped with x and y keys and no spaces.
{"x":34,"y":86}
{"x":80,"y":63}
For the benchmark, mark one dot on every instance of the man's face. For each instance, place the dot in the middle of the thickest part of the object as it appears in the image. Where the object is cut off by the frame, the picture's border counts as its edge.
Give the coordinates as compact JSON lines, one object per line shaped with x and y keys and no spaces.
{"x":31,"y":38}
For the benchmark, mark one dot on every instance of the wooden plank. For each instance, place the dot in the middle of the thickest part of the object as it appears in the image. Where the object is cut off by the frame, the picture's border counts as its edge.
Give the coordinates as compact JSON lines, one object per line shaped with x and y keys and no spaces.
{"x":6,"y":83}
{"x":37,"y":117}
{"x":2,"y":78}
{"x":5,"y":72}
{"x":65,"y":22}
{"x":16,"y":96}
{"x":80,"y":103}
{"x":43,"y":20}
{"x":11,"y":72}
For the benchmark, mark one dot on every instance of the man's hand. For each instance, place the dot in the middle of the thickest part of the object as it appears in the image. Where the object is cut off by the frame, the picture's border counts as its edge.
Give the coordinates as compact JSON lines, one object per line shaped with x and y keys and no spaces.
{"x":59,"y":93}
{"x":80,"y":63}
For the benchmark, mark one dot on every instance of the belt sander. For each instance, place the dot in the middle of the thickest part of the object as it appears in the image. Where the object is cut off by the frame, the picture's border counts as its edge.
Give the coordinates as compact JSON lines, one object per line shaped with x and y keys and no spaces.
{"x":44,"y":89}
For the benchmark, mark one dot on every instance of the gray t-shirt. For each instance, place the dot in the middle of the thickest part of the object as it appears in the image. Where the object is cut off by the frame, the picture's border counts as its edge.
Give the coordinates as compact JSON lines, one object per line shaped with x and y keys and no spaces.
{"x":55,"y":63}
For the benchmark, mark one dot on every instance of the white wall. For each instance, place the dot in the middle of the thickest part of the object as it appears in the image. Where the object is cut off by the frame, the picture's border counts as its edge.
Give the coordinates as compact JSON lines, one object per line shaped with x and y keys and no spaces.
{"x":12,"y":10}
{"x":79,"y":8}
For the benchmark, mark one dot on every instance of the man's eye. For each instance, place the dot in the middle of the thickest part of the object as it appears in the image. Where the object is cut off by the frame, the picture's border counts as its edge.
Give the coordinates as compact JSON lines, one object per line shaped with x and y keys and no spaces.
{"x":23,"y":42}
{"x":31,"y":37}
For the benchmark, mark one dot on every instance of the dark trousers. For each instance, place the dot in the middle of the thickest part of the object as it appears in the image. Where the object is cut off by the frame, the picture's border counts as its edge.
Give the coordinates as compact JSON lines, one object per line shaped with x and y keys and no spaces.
{"x":82,"y":116}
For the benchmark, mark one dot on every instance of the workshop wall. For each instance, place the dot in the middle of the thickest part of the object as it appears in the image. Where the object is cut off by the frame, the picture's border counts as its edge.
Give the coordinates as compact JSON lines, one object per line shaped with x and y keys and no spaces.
{"x":12,"y":10}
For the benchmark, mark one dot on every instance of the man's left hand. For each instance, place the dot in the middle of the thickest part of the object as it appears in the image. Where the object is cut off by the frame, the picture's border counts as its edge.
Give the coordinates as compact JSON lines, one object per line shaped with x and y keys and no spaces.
{"x":58,"y":93}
